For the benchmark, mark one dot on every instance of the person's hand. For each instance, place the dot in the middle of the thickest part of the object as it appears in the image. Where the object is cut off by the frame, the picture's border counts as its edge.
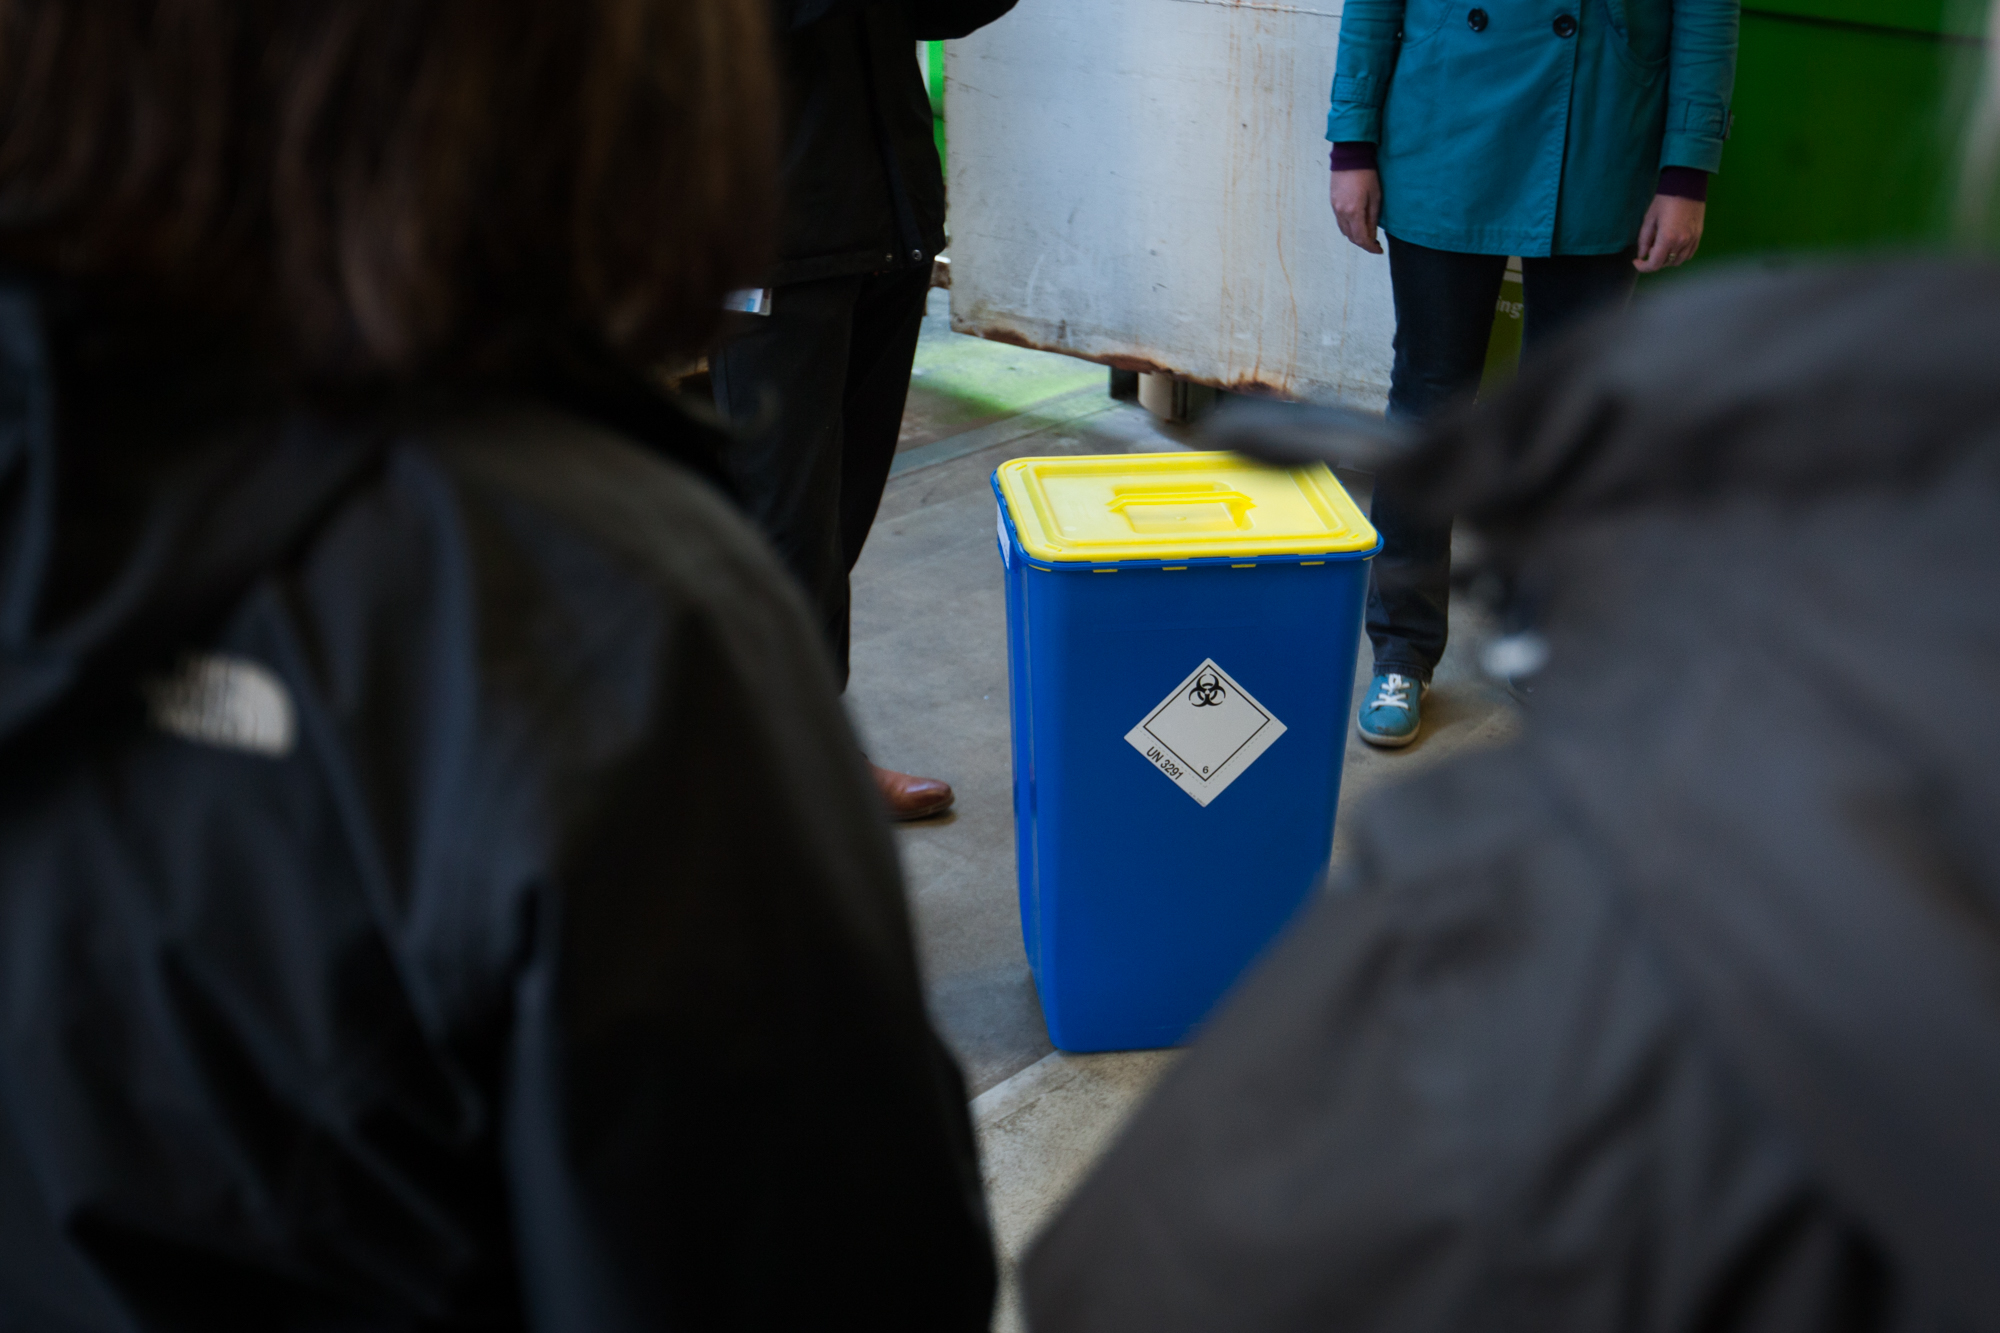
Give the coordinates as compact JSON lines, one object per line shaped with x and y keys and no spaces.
{"x":1670,"y":234}
{"x":1357,"y":206}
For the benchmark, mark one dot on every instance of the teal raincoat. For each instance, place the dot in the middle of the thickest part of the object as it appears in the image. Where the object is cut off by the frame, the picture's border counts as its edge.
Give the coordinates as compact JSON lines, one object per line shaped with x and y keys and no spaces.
{"x":1531,"y":127}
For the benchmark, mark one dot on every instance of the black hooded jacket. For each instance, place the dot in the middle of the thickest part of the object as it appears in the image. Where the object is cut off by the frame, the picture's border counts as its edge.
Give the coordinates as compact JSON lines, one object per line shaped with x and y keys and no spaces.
{"x":863,"y":189}
{"x":438,"y":887}
{"x":1682,"y":1012}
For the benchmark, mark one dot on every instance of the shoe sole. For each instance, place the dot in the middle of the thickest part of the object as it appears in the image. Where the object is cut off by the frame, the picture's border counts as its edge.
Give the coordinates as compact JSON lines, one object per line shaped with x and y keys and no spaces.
{"x":1382,"y":742}
{"x":915,"y":815}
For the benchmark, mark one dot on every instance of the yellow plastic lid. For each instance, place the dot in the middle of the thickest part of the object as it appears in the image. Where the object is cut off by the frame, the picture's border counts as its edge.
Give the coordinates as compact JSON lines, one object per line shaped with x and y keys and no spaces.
{"x":1178,"y":506}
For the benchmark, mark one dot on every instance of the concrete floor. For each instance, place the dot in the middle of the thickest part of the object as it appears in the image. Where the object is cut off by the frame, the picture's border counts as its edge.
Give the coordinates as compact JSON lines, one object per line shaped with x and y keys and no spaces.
{"x":929,"y":694}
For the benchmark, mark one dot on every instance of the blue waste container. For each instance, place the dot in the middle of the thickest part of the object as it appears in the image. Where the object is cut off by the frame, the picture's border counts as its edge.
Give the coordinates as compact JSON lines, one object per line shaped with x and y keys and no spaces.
{"x":1181,"y":640}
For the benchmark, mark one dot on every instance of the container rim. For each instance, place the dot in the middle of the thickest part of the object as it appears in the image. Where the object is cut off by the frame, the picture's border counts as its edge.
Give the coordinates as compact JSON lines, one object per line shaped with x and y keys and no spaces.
{"x":1015,"y":550}
{"x":1314,"y":515}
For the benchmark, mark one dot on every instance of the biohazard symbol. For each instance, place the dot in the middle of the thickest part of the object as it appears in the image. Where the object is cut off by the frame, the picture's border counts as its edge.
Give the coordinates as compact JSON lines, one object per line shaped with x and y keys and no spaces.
{"x":1207,"y":691}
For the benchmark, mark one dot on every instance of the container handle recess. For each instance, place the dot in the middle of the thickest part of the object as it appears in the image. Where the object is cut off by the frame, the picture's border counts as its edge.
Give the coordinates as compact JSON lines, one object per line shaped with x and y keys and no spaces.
{"x":1190,"y":507}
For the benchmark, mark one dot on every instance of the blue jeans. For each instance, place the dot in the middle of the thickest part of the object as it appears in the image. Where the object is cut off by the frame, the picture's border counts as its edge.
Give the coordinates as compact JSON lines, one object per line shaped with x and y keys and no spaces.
{"x":1444,"y":319}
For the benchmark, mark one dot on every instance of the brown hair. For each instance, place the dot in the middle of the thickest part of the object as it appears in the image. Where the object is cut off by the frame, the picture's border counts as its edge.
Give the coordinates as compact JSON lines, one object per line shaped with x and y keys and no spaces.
{"x":395,"y":188}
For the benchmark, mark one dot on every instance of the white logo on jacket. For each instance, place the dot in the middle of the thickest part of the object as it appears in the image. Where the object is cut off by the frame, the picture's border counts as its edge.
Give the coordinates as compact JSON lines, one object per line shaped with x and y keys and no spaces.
{"x":229,"y":702}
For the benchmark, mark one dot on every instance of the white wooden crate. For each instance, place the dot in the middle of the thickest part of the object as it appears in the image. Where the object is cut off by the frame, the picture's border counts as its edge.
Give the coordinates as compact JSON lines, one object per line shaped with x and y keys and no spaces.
{"x":1143,"y":183}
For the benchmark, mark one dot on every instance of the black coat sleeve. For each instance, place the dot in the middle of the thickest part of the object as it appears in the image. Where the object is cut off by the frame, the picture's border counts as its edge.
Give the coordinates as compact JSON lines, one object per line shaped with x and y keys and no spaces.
{"x":1460,"y":1095}
{"x":943,"y":20}
{"x":727,"y":1109}
{"x":791,"y":15}
{"x":929,"y":20}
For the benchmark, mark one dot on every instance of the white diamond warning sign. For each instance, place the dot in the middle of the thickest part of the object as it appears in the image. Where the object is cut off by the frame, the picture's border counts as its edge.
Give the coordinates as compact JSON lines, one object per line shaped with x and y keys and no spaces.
{"x":1206,"y":733}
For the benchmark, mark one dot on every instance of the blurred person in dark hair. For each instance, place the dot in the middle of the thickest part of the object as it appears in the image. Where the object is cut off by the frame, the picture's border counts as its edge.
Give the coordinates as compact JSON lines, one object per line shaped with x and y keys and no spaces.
{"x":438,"y":888}
{"x":1682,"y":1012}
{"x":813,"y":376}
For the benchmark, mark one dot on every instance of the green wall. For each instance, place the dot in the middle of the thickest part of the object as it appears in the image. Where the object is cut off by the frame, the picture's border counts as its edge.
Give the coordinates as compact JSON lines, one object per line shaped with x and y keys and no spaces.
{"x":1848,"y":121}
{"x":933,"y":56}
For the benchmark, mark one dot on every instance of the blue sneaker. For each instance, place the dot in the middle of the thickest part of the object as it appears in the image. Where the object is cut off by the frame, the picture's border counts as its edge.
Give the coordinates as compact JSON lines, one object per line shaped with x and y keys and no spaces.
{"x":1393,"y":711}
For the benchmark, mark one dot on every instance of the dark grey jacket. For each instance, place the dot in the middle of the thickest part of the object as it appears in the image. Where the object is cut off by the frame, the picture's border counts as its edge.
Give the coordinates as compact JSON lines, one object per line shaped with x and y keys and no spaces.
{"x":438,"y":887}
{"x":863,"y":189}
{"x":1683,"y":1012}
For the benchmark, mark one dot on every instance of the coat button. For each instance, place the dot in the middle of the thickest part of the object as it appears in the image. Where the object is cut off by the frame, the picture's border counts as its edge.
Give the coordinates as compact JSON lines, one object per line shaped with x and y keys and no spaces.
{"x":1565,"y":25}
{"x":1476,"y":20}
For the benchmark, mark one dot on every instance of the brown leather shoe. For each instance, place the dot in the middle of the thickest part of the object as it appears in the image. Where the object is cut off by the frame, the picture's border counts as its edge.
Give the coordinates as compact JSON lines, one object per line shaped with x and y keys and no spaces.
{"x":909,"y":797}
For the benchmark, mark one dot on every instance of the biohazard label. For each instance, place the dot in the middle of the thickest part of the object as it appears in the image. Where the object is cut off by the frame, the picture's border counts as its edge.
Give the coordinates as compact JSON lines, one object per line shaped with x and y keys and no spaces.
{"x":1206,"y":733}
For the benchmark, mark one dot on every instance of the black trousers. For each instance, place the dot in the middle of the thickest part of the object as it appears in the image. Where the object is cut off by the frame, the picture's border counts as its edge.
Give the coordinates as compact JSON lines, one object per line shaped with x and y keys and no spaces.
{"x":814,"y":394}
{"x":1444,"y":319}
